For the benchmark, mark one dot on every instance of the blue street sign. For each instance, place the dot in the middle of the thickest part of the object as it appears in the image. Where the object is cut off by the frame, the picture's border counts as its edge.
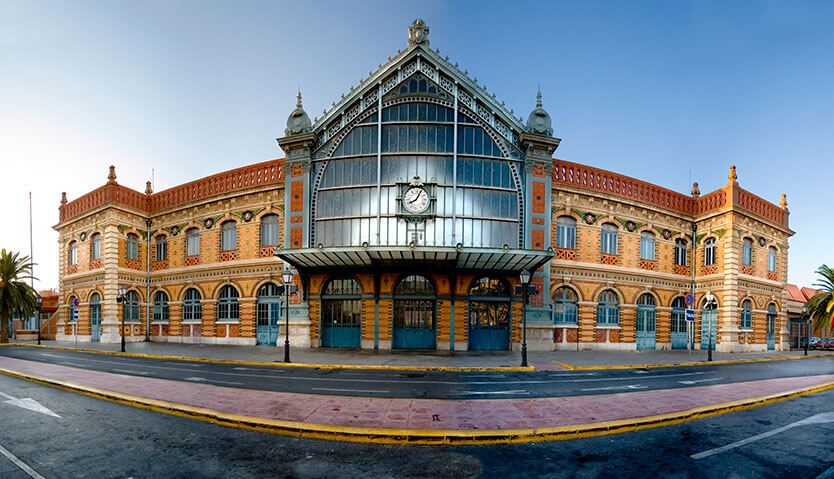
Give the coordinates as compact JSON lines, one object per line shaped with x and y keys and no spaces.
{"x":690,"y":299}
{"x":75,"y":315}
{"x":75,"y":302}
{"x":690,"y":315}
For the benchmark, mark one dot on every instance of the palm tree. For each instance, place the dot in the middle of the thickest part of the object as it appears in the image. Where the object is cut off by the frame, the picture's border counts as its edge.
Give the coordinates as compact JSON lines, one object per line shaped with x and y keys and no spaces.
{"x":16,"y":296}
{"x":821,"y":306}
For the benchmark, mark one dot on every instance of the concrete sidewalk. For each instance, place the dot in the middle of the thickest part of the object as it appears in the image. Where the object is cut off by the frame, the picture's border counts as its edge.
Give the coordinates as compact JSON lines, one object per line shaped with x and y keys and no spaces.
{"x":555,"y":360}
{"x":418,"y":421}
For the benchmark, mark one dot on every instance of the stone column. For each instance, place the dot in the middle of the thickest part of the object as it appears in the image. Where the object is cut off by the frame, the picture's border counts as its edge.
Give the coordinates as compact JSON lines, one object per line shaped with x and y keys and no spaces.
{"x":110,"y":309}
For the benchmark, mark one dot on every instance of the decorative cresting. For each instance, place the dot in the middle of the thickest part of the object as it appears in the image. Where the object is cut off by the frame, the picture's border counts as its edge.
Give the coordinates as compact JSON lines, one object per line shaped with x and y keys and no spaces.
{"x":418,"y":57}
{"x":298,"y":122}
{"x":539,"y":120}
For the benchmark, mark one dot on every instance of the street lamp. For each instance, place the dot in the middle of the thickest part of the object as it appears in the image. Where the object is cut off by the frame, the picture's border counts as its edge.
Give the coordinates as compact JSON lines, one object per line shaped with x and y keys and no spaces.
{"x":287,"y":277}
{"x":120,"y":299}
{"x":710,"y":300}
{"x":524,"y":276}
{"x":807,"y":320}
{"x":39,"y":303}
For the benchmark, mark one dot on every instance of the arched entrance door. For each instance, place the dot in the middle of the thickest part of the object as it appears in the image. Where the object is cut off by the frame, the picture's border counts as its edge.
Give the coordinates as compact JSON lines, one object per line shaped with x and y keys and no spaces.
{"x":678,"y":327}
{"x":268,"y":314}
{"x":771,"y":327}
{"x":646,"y":322}
{"x":341,"y":307}
{"x":489,"y":315}
{"x":709,"y":322}
{"x":415,"y":314}
{"x":95,"y":317}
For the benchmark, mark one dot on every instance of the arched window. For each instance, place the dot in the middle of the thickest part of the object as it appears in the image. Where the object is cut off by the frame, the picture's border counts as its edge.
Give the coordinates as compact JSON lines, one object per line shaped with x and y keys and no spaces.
{"x":680,"y":252}
{"x":192,"y":242}
{"x":130,"y":306}
{"x":269,"y":230}
{"x":565,"y":306}
{"x":678,"y":315}
{"x":709,"y":252}
{"x":228,"y":308}
{"x":95,"y":246}
{"x":771,"y":259}
{"x":191,"y":306}
{"x":160,"y":306}
{"x":132,"y":246}
{"x":228,"y":236}
{"x":747,"y":251}
{"x":72,"y":256}
{"x":566,"y":232}
{"x":608,"y":239}
{"x":161,"y":248}
{"x":747,"y":314}
{"x":647,"y":245}
{"x":608,"y":308}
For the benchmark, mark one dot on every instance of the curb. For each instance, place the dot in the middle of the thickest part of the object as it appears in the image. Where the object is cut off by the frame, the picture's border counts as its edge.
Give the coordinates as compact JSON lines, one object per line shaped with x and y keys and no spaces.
{"x":422,"y":436}
{"x":572,"y":367}
{"x":369,"y":367}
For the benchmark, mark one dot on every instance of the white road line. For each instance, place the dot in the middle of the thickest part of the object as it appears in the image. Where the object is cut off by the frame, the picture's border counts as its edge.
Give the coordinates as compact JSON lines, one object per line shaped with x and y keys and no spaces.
{"x":696,"y":381}
{"x":467,"y":393}
{"x":351,"y":390}
{"x":822,"y":418}
{"x":130,"y":371}
{"x":22,"y":465}
{"x":613,"y":388}
{"x":186,"y":364}
{"x":194,"y":379}
{"x":75,"y":365}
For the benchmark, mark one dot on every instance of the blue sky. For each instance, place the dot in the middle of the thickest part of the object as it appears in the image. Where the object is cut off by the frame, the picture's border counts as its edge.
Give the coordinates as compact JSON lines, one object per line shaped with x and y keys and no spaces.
{"x":653,"y":90}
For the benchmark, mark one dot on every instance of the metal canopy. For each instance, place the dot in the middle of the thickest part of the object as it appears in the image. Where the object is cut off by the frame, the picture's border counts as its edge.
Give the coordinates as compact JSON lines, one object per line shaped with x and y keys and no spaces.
{"x":400,"y":257}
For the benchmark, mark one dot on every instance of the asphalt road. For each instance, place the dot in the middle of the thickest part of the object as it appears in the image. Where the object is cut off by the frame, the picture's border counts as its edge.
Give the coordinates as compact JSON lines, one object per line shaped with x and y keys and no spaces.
{"x":101,"y":439}
{"x":431,"y":384}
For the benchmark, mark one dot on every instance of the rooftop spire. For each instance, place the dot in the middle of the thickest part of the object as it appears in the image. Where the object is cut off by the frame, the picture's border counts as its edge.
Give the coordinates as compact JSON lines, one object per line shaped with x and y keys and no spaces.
{"x":298,"y":122}
{"x":111,"y":177}
{"x":539,"y":120}
{"x":784,"y":202}
{"x":732,"y":176}
{"x":148,"y":188}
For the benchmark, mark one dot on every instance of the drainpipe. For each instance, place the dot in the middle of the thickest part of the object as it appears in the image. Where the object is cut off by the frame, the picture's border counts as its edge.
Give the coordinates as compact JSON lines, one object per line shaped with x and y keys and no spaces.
{"x":691,"y":342}
{"x":148,"y":281}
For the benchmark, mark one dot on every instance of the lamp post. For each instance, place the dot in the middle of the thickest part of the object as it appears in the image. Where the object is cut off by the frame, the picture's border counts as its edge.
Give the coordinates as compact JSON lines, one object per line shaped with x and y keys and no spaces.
{"x":287,"y":277}
{"x":710,"y":301}
{"x":121,"y":300}
{"x":525,"y":291}
{"x":807,"y":320}
{"x":39,"y":303}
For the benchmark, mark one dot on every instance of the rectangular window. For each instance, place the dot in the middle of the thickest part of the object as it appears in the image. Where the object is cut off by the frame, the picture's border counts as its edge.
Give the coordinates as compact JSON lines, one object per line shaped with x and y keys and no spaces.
{"x":608,"y":315}
{"x":680,"y":253}
{"x":566,"y":236}
{"x":161,"y":249}
{"x":609,"y":240}
{"x":647,"y":246}
{"x":132,"y":248}
{"x":193,"y":244}
{"x":96,"y":248}
{"x":771,"y":260}
{"x":747,"y":252}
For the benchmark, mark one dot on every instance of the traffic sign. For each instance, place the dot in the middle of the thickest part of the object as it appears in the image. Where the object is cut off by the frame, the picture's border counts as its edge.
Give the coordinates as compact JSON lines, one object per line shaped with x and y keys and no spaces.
{"x":75,"y":314}
{"x":690,"y":315}
{"x":690,"y":299}
{"x":75,"y":302}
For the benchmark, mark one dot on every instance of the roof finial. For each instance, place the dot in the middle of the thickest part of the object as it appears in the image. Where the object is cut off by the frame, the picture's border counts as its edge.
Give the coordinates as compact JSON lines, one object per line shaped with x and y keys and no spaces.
{"x":148,"y":188}
{"x":418,"y":33}
{"x":63,"y":198}
{"x":111,"y":177}
{"x":696,"y":191}
{"x":298,"y":122}
{"x":298,"y":98}
{"x":784,"y":202}
{"x":733,"y":176}
{"x":539,"y":97}
{"x":539,"y":120}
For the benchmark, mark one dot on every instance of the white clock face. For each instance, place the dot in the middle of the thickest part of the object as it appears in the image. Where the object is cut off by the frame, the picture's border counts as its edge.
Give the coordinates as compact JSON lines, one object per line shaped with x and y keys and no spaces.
{"x":415,"y":200}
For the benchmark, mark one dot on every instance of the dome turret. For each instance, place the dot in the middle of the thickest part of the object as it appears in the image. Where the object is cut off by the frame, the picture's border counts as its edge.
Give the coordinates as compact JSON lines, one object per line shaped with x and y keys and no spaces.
{"x":539,"y":120}
{"x":298,"y":122}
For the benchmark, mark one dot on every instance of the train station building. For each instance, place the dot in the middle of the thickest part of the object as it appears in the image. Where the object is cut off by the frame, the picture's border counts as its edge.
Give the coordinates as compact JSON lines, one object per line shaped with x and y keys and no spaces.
{"x":407,"y":214}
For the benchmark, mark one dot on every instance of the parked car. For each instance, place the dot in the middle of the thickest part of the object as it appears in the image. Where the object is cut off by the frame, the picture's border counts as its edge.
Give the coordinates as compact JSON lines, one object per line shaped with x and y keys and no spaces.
{"x":827,"y":343}
{"x":813,"y":343}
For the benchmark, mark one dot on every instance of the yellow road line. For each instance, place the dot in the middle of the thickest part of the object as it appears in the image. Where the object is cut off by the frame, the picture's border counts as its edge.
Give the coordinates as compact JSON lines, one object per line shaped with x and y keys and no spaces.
{"x":422,"y":436}
{"x":370,"y":367}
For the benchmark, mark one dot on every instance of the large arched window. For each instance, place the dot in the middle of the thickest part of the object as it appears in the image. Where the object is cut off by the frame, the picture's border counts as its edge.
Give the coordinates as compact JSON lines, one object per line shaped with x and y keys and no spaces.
{"x":130,"y":306}
{"x":161,"y":244}
{"x":608,"y":239}
{"x":746,"y":314}
{"x":709,"y":252}
{"x":647,"y":245}
{"x":608,"y":308}
{"x":417,"y":135}
{"x":192,"y":310}
{"x":72,"y":255}
{"x":95,"y":246}
{"x":192,"y":242}
{"x":566,"y":232}
{"x":678,"y":325}
{"x":228,"y":236}
{"x":771,"y":259}
{"x":132,"y":246}
{"x":228,"y":308}
{"x":747,"y":251}
{"x":269,"y":230}
{"x":415,"y":308}
{"x":341,"y":312}
{"x":680,"y":252}
{"x":160,"y":306}
{"x":565,"y":306}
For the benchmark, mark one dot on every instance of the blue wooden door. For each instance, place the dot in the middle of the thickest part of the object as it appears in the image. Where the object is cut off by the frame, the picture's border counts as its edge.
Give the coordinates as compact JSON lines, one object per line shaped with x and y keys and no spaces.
{"x":679,"y":329}
{"x":95,"y":325}
{"x":708,"y":317}
{"x":269,"y":314}
{"x":414,"y":324}
{"x":771,"y":332}
{"x":646,"y":328}
{"x":489,"y":326}
{"x":340,"y":323}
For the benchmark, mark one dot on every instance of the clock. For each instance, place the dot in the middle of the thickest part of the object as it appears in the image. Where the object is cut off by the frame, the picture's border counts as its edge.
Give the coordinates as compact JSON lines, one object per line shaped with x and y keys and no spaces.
{"x":415,"y":199}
